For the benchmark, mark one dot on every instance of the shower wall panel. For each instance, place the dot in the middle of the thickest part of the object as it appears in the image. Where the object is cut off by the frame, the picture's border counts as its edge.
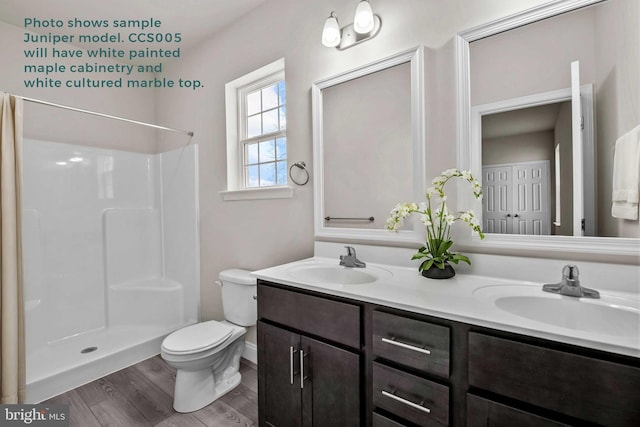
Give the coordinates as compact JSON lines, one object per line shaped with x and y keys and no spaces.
{"x":179,"y":169}
{"x":132,"y":245}
{"x":67,"y":190}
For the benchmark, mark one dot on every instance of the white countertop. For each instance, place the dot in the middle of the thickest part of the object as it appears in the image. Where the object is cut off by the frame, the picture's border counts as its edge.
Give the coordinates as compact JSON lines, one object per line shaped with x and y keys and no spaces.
{"x":458,"y":299}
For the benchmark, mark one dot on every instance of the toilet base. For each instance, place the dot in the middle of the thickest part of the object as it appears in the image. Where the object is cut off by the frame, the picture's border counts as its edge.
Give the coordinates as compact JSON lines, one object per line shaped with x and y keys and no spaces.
{"x":200,"y":389}
{"x":201,"y":381}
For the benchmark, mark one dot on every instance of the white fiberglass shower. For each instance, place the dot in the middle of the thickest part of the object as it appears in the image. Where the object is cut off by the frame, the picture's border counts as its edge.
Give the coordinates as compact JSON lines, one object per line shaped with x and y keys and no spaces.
{"x":110,"y":257}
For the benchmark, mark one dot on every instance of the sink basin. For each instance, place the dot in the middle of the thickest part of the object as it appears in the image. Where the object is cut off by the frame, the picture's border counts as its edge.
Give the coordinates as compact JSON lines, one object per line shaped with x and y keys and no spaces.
{"x":326,"y":273}
{"x":609,"y":315}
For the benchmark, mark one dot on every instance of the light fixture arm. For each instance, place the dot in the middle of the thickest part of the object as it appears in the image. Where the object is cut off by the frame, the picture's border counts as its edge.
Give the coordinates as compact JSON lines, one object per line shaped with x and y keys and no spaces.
{"x":351,"y":38}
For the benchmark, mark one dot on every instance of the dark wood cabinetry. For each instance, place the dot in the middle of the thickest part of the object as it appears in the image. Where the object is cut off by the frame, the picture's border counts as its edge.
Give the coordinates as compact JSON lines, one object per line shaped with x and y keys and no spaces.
{"x":410,"y":397}
{"x":582,"y":387}
{"x":412,"y":343}
{"x":305,"y":378}
{"x":407,"y":352}
{"x":330,"y":361}
{"x":483,"y":412}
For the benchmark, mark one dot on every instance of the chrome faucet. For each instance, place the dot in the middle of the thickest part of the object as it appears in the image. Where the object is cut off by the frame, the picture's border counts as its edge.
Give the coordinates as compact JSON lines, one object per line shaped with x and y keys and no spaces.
{"x":570,"y":285}
{"x":350,"y":260}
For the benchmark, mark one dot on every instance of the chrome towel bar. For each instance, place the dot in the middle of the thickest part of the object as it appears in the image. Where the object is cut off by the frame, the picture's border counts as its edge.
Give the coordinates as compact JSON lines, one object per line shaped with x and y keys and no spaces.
{"x":333,"y":218}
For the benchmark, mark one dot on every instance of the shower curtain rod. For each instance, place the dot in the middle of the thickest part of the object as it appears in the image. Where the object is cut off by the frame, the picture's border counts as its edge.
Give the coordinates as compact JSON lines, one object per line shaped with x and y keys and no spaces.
{"x":80,"y":110}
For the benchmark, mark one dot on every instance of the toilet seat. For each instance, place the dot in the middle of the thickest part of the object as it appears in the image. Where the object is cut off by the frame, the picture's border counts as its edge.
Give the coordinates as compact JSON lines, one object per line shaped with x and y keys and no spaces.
{"x":196,"y":338}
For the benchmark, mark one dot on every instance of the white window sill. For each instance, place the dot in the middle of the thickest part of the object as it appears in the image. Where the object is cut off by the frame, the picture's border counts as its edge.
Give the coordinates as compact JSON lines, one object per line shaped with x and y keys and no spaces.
{"x":284,"y":192}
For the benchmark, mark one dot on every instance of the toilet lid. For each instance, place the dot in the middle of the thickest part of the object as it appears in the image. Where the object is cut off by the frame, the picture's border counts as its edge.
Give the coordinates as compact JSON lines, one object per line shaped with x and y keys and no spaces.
{"x":200,"y":336}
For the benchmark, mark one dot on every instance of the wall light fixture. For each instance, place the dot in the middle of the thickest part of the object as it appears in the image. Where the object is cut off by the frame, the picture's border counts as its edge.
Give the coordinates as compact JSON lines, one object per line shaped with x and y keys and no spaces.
{"x":365,"y":26}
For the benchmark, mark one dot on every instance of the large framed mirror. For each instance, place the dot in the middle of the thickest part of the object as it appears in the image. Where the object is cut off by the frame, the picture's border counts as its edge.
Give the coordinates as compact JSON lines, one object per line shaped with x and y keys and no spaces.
{"x":368,"y":148}
{"x":543,"y":96}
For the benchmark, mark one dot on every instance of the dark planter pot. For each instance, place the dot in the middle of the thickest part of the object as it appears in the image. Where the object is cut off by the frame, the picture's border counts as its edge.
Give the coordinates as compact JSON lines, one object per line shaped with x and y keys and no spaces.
{"x":439,"y":273}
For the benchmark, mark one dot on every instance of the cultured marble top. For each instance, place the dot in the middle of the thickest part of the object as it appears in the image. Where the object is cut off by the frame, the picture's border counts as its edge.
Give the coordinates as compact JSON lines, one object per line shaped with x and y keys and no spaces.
{"x":468,"y":298}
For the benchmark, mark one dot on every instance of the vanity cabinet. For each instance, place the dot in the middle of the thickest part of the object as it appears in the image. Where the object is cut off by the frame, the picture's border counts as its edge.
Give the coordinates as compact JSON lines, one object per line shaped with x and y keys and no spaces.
{"x":330,"y":361}
{"x":309,"y":369}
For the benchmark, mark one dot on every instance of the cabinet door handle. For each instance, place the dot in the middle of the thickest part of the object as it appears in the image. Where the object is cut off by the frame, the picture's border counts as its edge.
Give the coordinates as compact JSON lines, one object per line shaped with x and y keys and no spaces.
{"x":302,"y":375}
{"x":292,"y":373}
{"x":406,"y":402}
{"x":393,"y":341}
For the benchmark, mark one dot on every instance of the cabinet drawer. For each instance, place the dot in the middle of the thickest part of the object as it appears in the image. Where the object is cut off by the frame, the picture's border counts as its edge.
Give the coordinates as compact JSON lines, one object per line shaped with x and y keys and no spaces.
{"x":482,"y":413}
{"x":382,"y":421}
{"x":333,"y":320}
{"x":413,"y":343}
{"x":589,"y":389}
{"x":410,"y":397}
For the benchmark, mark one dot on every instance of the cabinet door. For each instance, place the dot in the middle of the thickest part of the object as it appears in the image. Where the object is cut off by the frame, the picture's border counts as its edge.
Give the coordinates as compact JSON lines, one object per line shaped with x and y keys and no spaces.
{"x":280,"y":397}
{"x":331,"y":388}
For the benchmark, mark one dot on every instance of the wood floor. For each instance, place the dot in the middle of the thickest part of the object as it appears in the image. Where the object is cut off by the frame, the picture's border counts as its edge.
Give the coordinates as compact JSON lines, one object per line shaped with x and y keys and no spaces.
{"x":142,"y":395}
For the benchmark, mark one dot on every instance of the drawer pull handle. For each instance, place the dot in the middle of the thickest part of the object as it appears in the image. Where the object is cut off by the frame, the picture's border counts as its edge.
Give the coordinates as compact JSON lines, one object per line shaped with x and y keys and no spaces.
{"x":406,"y":402}
{"x":393,"y":341}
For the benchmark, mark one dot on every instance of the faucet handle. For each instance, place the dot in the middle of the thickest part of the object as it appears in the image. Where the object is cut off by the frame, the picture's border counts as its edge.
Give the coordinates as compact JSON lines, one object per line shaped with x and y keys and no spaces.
{"x":570,"y":275}
{"x":571,"y":272}
{"x":350,"y":251}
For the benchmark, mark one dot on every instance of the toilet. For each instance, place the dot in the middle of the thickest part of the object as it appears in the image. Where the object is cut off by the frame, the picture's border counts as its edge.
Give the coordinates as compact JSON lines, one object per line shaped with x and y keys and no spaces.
{"x":207,"y":354}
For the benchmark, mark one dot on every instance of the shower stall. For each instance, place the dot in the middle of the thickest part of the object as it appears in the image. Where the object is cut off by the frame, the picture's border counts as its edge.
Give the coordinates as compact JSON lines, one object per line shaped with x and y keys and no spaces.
{"x":110,"y":257}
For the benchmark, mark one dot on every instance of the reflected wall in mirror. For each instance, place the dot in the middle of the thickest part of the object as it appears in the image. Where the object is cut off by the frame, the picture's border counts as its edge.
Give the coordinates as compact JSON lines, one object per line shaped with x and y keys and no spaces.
{"x":508,"y":71}
{"x":368,"y":147}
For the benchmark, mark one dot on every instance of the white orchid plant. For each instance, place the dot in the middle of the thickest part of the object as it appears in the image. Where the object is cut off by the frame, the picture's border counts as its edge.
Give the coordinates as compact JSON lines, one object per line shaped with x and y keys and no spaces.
{"x":438,"y":221}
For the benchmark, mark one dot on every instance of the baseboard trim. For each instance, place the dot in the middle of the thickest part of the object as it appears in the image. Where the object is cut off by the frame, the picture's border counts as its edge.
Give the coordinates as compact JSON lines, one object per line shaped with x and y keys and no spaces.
{"x":250,"y":352}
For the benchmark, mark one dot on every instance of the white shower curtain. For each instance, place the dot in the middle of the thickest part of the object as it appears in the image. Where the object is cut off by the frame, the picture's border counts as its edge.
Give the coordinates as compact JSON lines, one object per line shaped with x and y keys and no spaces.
{"x":12,"y":348}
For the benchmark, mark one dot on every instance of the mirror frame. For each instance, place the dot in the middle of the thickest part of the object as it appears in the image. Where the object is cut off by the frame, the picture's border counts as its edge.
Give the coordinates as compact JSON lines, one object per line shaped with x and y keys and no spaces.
{"x":469,"y":155}
{"x":415,"y":58}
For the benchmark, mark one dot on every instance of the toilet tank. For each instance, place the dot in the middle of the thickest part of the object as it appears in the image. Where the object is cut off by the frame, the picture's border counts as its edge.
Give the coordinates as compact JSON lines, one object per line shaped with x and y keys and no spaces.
{"x":239,"y":290}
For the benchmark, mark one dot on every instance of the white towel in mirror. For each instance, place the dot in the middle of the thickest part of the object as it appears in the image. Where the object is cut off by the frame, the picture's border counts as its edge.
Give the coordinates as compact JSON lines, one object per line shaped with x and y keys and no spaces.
{"x":626,"y":175}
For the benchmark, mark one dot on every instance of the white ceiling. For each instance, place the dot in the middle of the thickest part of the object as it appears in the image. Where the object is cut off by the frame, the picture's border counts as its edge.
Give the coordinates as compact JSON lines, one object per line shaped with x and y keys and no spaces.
{"x":196,"y":19}
{"x":521,"y":121}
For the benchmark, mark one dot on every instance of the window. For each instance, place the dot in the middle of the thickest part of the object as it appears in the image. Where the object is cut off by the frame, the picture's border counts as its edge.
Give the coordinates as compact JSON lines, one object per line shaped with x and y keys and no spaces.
{"x":263,"y":129}
{"x":256,"y":107}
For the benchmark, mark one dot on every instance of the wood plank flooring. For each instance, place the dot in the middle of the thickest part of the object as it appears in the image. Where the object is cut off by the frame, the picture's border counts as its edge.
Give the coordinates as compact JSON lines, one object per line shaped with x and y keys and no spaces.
{"x":142,"y":395}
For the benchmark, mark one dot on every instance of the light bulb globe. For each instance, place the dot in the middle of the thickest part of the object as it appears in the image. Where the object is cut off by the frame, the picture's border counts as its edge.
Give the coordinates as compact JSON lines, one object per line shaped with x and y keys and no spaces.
{"x":363,"y":21}
{"x":331,"y":32}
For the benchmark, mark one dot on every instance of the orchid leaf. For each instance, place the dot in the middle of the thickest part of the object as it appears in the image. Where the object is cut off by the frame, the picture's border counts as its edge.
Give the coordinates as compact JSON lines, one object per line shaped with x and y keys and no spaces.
{"x":458,"y":257}
{"x":426,"y":264}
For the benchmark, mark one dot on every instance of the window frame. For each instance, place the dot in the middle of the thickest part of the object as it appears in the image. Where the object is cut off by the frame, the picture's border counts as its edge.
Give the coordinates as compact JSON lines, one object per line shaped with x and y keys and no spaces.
{"x":234,"y":105}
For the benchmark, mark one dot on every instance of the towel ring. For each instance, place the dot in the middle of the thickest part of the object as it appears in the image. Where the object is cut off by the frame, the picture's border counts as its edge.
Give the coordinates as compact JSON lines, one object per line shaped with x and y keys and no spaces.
{"x":299,"y":165}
